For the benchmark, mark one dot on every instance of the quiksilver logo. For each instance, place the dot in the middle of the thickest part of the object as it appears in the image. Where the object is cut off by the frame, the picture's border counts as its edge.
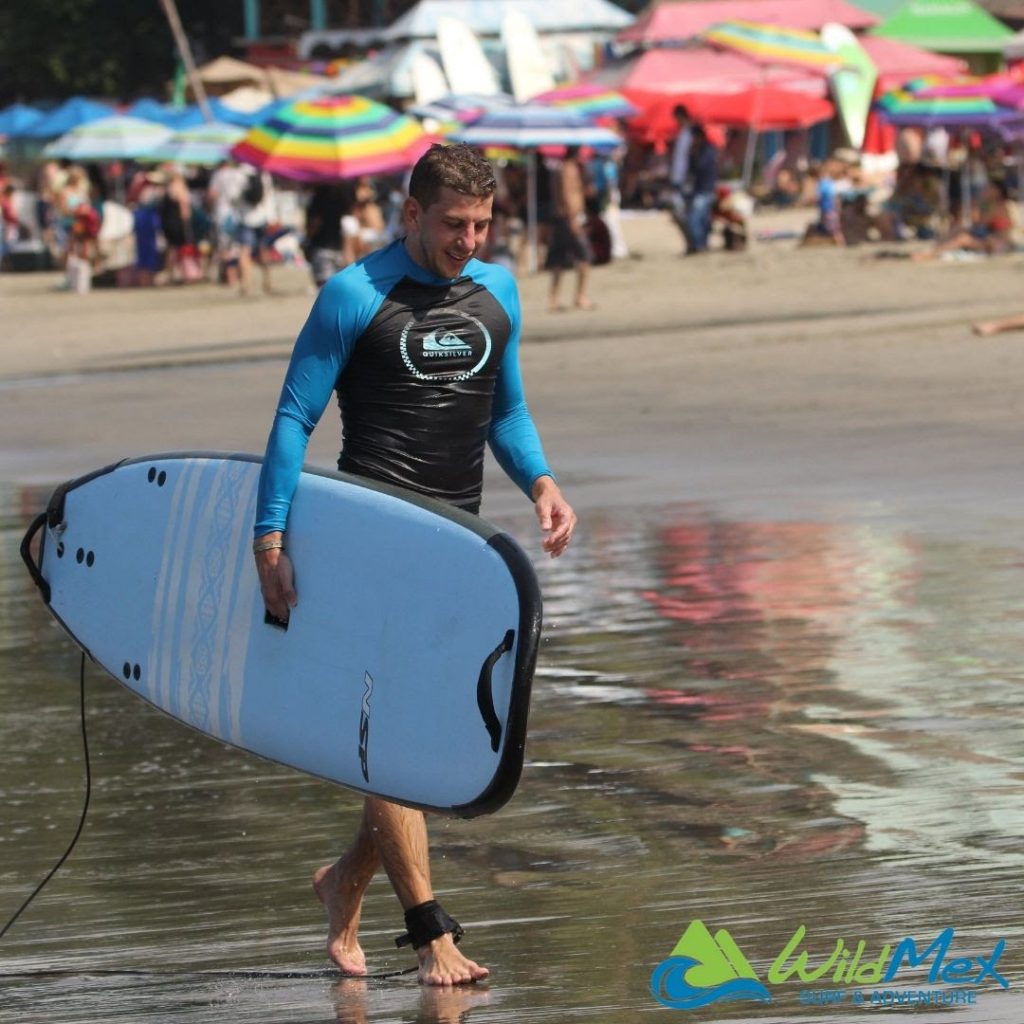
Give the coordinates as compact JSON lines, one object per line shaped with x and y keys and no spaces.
{"x":449,"y":344}
{"x":364,"y":726}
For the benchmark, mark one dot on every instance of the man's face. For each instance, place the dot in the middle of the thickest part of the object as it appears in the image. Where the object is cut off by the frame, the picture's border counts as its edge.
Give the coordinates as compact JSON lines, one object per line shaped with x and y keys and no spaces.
{"x":444,"y":236}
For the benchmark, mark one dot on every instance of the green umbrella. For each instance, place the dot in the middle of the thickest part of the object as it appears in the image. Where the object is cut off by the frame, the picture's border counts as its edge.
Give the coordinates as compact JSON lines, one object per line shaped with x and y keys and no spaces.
{"x":946,"y":26}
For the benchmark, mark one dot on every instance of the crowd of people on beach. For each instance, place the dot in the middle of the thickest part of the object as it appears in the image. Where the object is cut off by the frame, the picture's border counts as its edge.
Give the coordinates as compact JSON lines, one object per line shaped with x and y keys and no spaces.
{"x":136,"y":225}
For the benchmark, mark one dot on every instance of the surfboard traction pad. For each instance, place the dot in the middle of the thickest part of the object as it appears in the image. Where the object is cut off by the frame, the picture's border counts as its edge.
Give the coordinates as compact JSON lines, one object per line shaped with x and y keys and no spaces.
{"x":526,"y":641}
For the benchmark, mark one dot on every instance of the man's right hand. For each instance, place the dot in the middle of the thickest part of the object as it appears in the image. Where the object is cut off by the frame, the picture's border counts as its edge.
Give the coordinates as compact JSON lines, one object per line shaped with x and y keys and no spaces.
{"x":277,"y":578}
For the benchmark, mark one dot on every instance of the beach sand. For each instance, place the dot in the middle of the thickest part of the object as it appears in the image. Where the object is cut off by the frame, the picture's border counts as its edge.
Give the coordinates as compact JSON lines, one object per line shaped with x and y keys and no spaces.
{"x":721,"y":376}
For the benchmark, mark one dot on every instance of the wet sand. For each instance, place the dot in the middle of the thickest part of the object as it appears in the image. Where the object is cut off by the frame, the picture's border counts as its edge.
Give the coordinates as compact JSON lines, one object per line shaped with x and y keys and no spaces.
{"x":780,"y":681}
{"x":722,"y":375}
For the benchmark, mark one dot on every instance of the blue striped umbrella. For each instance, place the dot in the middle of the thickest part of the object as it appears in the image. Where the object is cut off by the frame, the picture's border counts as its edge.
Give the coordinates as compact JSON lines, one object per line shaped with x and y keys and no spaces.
{"x":531,"y":126}
{"x":110,"y":138}
{"x":206,"y":145}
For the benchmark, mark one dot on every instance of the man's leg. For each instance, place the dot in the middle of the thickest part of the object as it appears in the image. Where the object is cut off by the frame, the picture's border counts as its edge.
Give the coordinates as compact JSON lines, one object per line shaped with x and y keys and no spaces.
{"x":582,"y":273}
{"x":400,"y":835}
{"x":341,"y":887}
{"x":556,"y":280}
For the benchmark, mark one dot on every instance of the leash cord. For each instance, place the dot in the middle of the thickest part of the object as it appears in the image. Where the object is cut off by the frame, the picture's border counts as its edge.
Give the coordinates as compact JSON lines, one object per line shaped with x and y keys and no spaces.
{"x":85,"y":809}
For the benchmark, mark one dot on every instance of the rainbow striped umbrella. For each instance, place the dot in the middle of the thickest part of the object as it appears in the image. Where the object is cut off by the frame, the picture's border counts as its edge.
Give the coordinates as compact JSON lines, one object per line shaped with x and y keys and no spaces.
{"x":326,"y":138}
{"x":902,"y":107}
{"x":773,"y":44}
{"x":589,"y":99}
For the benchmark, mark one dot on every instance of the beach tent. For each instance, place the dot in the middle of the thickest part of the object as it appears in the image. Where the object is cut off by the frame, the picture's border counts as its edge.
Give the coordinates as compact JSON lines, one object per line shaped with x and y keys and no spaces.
{"x":70,"y":114}
{"x":946,"y":26}
{"x":678,"y":22}
{"x":485,"y":19}
{"x":16,"y":119}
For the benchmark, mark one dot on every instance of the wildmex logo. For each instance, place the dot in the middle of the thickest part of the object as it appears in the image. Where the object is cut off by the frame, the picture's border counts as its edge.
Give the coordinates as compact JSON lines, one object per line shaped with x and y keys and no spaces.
{"x":704,"y":969}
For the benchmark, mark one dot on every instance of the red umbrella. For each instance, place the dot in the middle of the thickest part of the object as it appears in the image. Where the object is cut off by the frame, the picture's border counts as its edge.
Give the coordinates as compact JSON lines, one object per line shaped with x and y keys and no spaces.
{"x":761,"y":109}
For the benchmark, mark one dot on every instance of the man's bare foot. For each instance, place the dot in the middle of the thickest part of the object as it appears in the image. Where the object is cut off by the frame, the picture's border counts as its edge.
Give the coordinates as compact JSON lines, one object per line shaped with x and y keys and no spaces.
{"x":986,"y":330}
{"x":442,"y":964}
{"x":585,"y":304}
{"x":342,"y":898}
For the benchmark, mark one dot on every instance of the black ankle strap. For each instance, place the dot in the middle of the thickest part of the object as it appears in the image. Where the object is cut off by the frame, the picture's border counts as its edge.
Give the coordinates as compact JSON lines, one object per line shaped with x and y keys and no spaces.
{"x":427,"y":922}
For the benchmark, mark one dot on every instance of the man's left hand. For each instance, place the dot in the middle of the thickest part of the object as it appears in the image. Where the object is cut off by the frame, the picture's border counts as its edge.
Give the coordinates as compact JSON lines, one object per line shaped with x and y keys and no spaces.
{"x":555,"y":515}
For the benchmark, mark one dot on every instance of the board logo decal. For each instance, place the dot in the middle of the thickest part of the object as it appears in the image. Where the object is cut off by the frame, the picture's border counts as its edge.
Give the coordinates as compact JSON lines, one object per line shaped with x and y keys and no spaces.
{"x":364,"y":726}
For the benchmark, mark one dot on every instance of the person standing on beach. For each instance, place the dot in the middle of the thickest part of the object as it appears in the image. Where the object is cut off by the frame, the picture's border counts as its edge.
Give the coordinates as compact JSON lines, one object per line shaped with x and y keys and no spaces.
{"x":679,"y":168}
{"x":421,"y":423}
{"x":569,"y":247}
{"x":701,"y":183}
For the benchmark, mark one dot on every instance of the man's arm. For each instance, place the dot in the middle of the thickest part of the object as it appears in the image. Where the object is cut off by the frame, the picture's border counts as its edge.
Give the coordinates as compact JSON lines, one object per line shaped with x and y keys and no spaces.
{"x":516,"y":445}
{"x":318,"y":357}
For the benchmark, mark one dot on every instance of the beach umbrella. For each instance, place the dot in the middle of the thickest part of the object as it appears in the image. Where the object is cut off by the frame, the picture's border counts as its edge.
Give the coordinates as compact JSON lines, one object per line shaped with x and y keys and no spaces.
{"x":332,"y":137}
{"x":110,"y":138}
{"x":16,"y":119}
{"x":70,"y":114}
{"x":532,"y":126}
{"x":902,"y":107}
{"x":761,"y":109}
{"x":205,"y":145}
{"x":947,"y":26}
{"x":587,"y":98}
{"x":151,"y":110}
{"x":460,"y":108}
{"x":1005,"y":89}
{"x":773,"y":44}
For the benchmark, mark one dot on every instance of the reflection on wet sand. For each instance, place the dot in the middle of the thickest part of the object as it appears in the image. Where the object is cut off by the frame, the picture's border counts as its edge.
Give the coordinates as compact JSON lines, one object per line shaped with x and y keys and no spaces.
{"x":353,"y":999}
{"x":762,"y":724}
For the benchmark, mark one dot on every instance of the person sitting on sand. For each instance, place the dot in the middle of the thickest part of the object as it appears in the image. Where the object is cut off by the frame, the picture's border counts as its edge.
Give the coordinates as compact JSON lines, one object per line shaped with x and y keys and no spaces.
{"x":991,"y":231}
{"x":828,"y":225}
{"x":914,"y":208}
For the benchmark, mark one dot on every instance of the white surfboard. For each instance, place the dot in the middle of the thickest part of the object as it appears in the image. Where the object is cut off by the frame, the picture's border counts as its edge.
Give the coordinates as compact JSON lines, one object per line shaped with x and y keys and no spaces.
{"x":529,"y":69}
{"x":465,"y":64}
{"x":404,"y":671}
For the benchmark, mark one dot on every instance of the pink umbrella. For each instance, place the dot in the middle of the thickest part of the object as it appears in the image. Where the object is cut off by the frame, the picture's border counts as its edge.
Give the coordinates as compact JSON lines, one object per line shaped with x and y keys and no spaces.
{"x":682,"y":22}
{"x":1004,"y":89}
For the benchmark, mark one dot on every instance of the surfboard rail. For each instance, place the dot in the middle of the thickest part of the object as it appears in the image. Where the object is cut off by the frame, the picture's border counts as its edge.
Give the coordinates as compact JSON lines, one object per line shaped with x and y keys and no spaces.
{"x":507,"y":740}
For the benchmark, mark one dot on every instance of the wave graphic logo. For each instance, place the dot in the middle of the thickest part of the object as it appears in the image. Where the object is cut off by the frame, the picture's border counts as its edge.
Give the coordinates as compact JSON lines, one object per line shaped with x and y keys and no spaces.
{"x":705,"y":969}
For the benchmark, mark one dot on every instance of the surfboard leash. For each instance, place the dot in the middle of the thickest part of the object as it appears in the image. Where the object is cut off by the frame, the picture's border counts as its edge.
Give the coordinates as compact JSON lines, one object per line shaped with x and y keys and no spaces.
{"x":253,"y":974}
{"x":85,"y":808}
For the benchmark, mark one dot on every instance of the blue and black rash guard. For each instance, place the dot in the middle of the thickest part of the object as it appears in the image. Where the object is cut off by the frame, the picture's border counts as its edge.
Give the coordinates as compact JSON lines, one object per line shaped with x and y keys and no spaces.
{"x":427,"y":372}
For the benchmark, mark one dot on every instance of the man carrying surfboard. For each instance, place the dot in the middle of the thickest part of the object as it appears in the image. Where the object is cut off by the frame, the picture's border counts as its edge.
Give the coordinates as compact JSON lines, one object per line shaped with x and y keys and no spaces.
{"x":421,"y":343}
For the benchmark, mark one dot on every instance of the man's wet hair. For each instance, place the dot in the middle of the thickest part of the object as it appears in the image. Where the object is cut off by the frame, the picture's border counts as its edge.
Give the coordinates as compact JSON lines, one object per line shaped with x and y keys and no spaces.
{"x":458,"y":167}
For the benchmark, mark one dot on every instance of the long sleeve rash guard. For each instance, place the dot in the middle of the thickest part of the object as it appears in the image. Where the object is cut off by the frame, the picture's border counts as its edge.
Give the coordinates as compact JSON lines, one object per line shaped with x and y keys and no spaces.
{"x":426,"y":371}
